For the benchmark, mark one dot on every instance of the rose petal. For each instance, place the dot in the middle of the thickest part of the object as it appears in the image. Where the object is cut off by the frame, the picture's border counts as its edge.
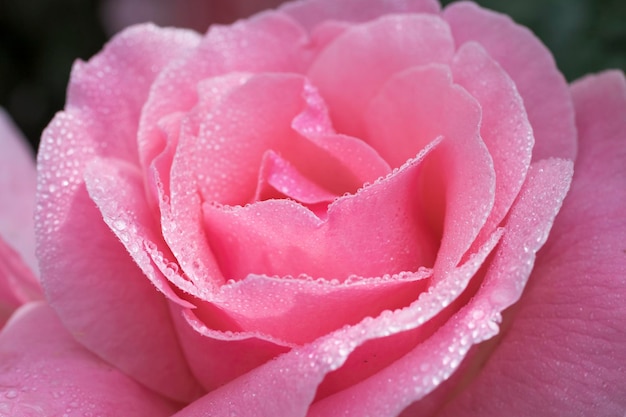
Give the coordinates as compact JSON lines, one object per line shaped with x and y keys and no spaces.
{"x":109,"y":91}
{"x":350,"y":70}
{"x":278,"y":178}
{"x":298,"y":311}
{"x":43,"y":371}
{"x":117,"y":189}
{"x":221,"y":155}
{"x":110,"y":305}
{"x":361,"y":161}
{"x":504,"y":125}
{"x":283,"y":387}
{"x":312,"y":13}
{"x":568,"y":329}
{"x":17,"y":282}
{"x":458,"y":186}
{"x":185,"y":159}
{"x":218,"y":159}
{"x":531,"y":66}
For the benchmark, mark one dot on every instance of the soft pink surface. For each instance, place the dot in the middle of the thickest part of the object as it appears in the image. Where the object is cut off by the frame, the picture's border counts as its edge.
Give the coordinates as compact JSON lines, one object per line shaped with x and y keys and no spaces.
{"x":18,"y":266}
{"x":565,"y":351}
{"x":43,"y":371}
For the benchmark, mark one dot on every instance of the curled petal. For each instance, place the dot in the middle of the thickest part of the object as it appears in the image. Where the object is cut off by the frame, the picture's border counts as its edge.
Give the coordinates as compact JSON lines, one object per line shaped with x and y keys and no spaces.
{"x":504,"y":125}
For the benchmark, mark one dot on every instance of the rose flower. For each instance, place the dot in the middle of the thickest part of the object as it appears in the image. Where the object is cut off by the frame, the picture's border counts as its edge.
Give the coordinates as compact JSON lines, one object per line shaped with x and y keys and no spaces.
{"x":325,"y":210}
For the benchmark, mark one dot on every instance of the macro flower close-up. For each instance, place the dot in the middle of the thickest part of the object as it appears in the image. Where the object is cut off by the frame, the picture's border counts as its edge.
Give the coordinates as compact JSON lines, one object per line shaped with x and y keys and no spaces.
{"x":332,"y":208}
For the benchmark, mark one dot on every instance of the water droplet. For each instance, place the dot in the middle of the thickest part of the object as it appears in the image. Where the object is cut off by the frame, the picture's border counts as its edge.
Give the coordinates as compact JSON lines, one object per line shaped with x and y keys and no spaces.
{"x":119,"y":224}
{"x":10,"y":394}
{"x":478,"y":314}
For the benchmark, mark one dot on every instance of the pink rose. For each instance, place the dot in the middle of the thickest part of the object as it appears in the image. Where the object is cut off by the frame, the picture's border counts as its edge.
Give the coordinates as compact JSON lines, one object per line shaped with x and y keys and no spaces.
{"x":325,"y":210}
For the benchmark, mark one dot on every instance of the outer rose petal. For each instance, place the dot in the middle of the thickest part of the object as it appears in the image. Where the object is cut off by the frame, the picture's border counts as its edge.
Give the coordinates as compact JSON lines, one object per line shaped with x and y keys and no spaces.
{"x":89,"y":278}
{"x":44,"y":372}
{"x":531,"y":66}
{"x":568,"y":333}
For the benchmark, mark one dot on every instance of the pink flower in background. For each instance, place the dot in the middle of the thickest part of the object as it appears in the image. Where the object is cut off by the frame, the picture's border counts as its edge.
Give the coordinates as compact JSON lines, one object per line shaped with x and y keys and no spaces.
{"x":326,"y":210}
{"x":18,"y":265}
{"x":194,"y":14}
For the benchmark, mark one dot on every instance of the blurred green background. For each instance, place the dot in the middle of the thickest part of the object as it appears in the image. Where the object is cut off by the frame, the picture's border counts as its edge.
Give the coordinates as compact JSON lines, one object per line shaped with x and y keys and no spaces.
{"x":39,"y":40}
